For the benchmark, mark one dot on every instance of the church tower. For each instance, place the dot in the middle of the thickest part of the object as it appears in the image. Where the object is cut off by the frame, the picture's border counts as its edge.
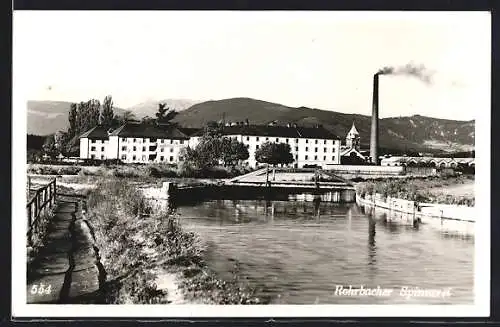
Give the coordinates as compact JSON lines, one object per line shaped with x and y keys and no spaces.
{"x":352,"y":138}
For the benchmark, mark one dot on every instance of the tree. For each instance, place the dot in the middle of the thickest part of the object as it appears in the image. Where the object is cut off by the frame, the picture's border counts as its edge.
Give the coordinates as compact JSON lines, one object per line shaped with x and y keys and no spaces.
{"x":73,"y":119}
{"x":49,"y":147}
{"x":106,"y":116}
{"x":274,"y":154}
{"x":233,"y":151}
{"x":125,"y":117}
{"x":164,"y":115}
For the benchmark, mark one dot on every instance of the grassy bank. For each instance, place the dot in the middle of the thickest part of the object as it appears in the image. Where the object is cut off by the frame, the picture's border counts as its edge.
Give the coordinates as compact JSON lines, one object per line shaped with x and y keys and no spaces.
{"x":135,"y":244}
{"x":136,"y":171}
{"x":420,"y":189}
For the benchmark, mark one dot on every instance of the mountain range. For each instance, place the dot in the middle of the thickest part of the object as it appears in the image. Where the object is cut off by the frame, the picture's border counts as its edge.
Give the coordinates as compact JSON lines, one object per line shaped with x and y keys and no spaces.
{"x":415,"y":133}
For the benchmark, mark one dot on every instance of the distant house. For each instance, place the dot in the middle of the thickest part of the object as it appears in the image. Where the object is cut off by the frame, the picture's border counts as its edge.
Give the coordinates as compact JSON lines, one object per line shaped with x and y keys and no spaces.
{"x":94,"y":143}
{"x":310,"y":146}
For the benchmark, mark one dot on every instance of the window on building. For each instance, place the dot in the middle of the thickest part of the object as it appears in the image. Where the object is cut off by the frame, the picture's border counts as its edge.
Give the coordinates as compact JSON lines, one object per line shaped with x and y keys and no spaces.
{"x":161,"y":158}
{"x":296,"y":157}
{"x":161,"y":141}
{"x":143,"y":158}
{"x":315,"y":157}
{"x":257,"y":138}
{"x":144,"y":140}
{"x":324,"y":158}
{"x":143,"y":148}
{"x":277,"y":140}
{"x":171,"y":141}
{"x":306,"y":157}
{"x":124,"y":148}
{"x":267,"y":138}
{"x":124,"y":157}
{"x":161,"y":150}
{"x":324,"y":150}
{"x":135,"y":140}
{"x":181,"y":141}
{"x":134,"y":157}
{"x":296,"y":140}
{"x":296,"y":148}
{"x":124,"y":139}
{"x":315,"y":141}
{"x":134,"y":148}
{"x":248,"y":138}
{"x":92,"y":141}
{"x":171,"y":158}
{"x":92,"y":148}
{"x":307,"y":149}
{"x":333,"y":158}
{"x":286,"y":140}
{"x":256,"y":147}
{"x":171,"y":149}
{"x":102,"y":157}
{"x":307,"y":141}
{"x":102,"y":148}
{"x":92,"y":156}
{"x":315,"y":149}
{"x":324,"y":142}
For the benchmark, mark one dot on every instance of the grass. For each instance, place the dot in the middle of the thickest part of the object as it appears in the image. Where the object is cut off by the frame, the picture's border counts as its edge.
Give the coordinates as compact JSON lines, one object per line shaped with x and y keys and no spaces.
{"x":133,"y":241}
{"x":136,"y":171}
{"x":421,"y":190}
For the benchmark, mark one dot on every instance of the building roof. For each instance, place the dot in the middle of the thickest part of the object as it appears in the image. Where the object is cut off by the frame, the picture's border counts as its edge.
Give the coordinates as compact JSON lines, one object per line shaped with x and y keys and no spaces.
{"x":348,"y":151}
{"x":149,"y":130}
{"x":277,"y":131}
{"x":96,"y":133}
{"x":353,"y":131}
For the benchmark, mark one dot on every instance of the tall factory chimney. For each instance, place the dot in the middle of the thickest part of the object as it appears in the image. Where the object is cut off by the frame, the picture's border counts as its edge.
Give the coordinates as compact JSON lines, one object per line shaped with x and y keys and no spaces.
{"x":374,"y":130}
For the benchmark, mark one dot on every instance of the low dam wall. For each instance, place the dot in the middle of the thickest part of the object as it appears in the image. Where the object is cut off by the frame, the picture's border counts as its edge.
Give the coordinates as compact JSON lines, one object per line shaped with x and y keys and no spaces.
{"x":170,"y":192}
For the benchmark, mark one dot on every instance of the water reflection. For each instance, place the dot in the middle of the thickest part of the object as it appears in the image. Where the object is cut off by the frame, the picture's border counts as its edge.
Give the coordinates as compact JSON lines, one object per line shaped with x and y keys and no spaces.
{"x":296,"y":252}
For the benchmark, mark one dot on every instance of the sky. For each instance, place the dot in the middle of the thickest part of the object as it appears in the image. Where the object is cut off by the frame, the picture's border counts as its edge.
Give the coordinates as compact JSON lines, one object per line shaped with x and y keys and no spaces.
{"x":323,"y":60}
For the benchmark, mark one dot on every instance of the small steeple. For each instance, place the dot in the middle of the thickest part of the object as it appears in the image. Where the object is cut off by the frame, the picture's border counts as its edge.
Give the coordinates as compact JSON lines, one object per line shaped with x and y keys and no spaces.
{"x":353,"y":130}
{"x":352,"y":138}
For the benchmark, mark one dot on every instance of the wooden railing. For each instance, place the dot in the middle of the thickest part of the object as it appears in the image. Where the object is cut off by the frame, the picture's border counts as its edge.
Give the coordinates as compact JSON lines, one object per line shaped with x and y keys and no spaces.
{"x":40,"y":203}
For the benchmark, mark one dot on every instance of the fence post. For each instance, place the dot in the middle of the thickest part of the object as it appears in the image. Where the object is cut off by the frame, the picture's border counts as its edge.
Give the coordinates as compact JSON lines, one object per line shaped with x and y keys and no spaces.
{"x":55,"y":189}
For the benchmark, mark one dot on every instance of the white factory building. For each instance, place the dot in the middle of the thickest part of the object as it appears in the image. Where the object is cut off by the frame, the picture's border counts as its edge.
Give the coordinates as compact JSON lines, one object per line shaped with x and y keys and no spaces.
{"x":140,"y":143}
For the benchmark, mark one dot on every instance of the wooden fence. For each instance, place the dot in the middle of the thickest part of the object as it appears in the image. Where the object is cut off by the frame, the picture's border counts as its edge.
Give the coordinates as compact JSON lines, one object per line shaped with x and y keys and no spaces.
{"x":40,"y":203}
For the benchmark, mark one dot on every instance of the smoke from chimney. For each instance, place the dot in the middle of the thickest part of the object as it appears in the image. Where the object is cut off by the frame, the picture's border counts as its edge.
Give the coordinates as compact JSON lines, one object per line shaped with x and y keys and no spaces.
{"x":418,"y":71}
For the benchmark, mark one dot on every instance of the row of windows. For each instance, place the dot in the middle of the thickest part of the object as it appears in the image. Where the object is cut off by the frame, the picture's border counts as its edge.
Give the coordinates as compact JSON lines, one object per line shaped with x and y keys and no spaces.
{"x":93,"y":148}
{"x":134,"y":158}
{"x":134,"y":148}
{"x":162,"y":141}
{"x":257,"y":138}
{"x":97,"y":141}
{"x":307,"y":149}
{"x":306,"y":157}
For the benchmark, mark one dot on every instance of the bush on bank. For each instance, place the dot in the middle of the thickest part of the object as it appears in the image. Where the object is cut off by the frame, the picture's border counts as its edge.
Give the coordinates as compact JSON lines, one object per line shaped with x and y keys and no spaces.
{"x":133,"y":242}
{"x":183,"y":170}
{"x":415,"y":189}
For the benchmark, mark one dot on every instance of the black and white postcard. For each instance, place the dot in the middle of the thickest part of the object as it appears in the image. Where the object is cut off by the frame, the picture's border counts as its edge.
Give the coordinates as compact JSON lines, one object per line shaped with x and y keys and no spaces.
{"x":251,"y":164}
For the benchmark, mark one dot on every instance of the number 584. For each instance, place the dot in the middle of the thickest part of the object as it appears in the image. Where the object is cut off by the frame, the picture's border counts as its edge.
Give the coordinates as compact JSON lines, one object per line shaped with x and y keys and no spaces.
{"x":41,"y":289}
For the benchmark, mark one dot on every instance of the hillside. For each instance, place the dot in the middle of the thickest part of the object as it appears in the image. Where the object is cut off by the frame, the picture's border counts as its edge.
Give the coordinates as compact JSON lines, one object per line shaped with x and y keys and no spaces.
{"x":416,"y":133}
{"x":48,"y":117}
{"x":150,"y":107}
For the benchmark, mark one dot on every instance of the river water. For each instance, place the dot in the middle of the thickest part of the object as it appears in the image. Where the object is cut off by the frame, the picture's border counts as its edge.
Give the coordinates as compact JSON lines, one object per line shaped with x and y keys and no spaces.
{"x":297,"y":252}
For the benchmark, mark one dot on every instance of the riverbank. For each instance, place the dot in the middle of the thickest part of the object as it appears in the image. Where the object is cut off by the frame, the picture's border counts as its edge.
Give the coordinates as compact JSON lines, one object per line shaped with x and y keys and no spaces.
{"x":147,"y":255}
{"x":447,"y":190}
{"x":422,"y":201}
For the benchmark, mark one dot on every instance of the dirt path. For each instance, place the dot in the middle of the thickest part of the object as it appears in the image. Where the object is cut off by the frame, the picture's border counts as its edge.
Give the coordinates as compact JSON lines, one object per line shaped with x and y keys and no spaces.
{"x":67,"y":267}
